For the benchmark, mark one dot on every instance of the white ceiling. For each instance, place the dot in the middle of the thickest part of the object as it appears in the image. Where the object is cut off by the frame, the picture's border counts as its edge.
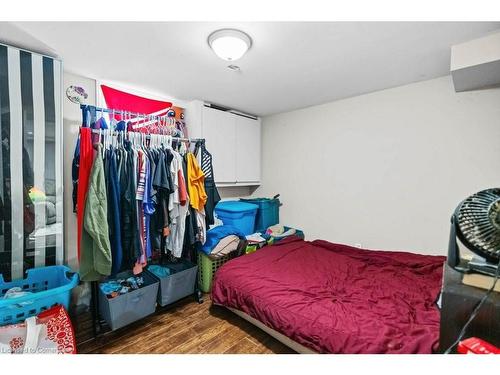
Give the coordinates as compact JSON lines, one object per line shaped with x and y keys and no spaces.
{"x":290,"y":65}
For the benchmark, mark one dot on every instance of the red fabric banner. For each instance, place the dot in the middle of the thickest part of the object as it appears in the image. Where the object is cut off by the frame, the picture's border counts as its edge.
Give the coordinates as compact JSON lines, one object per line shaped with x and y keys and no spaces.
{"x":124,"y":101}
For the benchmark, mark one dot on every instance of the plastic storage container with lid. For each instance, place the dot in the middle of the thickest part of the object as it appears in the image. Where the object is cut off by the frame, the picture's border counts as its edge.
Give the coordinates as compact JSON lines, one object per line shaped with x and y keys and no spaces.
{"x":238,"y":214}
{"x":268,"y":213}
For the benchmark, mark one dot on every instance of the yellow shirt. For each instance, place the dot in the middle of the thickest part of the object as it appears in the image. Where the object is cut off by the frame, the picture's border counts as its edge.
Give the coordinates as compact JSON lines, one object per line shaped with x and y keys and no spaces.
{"x":195,"y":183}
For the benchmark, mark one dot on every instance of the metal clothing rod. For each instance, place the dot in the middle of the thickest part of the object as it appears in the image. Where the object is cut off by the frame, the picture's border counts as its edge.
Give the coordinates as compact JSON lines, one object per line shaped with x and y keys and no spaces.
{"x":136,"y":115}
{"x":179,"y":139}
{"x":122,"y":113}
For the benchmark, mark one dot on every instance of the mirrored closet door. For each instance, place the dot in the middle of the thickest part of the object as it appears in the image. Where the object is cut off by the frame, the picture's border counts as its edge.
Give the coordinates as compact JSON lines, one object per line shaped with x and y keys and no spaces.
{"x":31,"y":191}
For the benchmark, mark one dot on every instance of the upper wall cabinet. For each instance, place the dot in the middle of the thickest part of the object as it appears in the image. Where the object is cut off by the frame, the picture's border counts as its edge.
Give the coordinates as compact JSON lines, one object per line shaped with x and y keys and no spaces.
{"x":219,"y":131}
{"x":234,"y":142}
{"x":247,"y":150}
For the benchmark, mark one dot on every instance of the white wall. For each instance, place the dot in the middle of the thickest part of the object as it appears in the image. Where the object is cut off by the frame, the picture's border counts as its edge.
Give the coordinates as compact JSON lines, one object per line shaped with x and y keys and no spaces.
{"x":72,"y":119}
{"x":386,"y":169}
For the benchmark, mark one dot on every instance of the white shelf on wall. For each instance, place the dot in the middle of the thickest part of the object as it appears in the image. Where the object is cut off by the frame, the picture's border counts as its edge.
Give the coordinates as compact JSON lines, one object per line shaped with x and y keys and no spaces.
{"x":231,"y":184}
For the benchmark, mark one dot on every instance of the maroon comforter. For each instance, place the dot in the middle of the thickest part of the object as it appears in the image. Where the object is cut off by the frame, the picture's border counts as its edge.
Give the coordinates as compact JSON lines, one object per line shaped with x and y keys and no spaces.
{"x":337,"y":299}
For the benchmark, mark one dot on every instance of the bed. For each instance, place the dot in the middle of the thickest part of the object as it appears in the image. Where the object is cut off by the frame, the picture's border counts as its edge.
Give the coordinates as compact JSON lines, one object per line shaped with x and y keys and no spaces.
{"x":320,"y":297}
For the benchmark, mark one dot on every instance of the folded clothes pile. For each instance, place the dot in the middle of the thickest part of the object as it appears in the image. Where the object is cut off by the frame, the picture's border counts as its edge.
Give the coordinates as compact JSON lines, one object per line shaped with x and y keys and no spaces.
{"x":256,"y":241}
{"x":159,"y":271}
{"x":278,"y":231}
{"x":255,"y":238}
{"x":115,"y":288}
{"x":222,"y":240}
{"x":15,"y":292}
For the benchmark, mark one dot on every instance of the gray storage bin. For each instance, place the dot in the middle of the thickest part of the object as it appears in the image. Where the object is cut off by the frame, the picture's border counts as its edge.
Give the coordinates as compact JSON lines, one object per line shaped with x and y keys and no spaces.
{"x":127,"y":308}
{"x":179,"y":284}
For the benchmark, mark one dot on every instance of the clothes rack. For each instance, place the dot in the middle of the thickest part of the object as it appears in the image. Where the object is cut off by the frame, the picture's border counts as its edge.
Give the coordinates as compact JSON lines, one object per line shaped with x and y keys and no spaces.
{"x":123,"y":113}
{"x":178,"y":139}
{"x":136,"y":115}
{"x":148,"y":133}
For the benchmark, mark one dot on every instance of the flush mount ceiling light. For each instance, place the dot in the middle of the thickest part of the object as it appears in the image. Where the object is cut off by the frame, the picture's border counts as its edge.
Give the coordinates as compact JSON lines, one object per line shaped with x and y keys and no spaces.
{"x":229,"y":44}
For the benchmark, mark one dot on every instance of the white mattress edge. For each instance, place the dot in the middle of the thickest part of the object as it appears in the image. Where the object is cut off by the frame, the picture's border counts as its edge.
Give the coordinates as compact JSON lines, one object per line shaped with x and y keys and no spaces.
{"x":299,"y":348}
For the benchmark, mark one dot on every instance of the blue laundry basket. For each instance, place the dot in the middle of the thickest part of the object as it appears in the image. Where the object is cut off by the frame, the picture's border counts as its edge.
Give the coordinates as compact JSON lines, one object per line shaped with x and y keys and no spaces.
{"x":48,"y":286}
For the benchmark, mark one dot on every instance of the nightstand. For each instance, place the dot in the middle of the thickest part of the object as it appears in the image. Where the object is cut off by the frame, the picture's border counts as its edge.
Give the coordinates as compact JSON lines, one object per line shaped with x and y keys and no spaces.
{"x":457,"y":302}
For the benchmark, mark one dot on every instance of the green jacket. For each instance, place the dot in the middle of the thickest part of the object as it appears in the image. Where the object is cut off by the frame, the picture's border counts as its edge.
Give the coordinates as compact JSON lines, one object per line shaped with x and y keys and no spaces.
{"x":95,"y":259}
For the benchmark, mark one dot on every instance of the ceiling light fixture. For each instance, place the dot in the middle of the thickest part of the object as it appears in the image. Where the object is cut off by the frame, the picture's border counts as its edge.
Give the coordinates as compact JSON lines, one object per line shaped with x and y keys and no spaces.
{"x":229,"y":44}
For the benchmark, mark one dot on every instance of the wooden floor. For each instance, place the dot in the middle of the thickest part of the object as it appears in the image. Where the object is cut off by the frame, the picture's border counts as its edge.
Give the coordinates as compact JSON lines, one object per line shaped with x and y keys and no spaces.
{"x":186,"y":327}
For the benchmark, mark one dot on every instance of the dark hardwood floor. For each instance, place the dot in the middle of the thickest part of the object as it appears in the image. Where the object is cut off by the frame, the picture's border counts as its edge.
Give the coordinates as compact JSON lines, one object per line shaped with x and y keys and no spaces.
{"x":185,"y":327}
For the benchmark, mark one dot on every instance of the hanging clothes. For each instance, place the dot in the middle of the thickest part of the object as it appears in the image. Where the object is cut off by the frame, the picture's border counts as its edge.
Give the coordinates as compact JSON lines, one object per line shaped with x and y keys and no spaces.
{"x":128,"y":209}
{"x":177,"y":211}
{"x":213,"y":196}
{"x":202,"y":226}
{"x":96,"y":257}
{"x":75,"y":168}
{"x":162,"y":185}
{"x":183,"y":195}
{"x":113,"y":199}
{"x":153,"y":199}
{"x":191,"y":226}
{"x":88,"y":121}
{"x":196,"y":180}
{"x":148,"y":205}
{"x":85,"y":165}
{"x":197,"y":196}
{"x":141,"y":223}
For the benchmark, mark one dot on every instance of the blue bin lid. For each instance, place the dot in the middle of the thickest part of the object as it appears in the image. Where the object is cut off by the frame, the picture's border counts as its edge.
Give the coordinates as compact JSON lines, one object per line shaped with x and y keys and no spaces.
{"x":236,"y":206}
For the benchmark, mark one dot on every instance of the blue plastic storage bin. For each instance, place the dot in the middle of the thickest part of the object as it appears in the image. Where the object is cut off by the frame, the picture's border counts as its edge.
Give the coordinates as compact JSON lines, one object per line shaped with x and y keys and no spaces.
{"x":48,"y":286}
{"x":238,"y":214}
{"x":268,"y":213}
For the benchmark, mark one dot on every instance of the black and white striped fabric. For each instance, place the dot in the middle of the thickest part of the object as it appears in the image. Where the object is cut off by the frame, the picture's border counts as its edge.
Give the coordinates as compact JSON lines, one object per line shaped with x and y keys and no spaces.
{"x":31,"y":205}
{"x":206,"y":163}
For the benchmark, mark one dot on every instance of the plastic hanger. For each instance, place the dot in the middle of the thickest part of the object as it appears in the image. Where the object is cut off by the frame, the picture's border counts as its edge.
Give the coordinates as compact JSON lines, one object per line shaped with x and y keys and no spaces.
{"x":105,"y":134}
{"x":109,"y":138}
{"x":104,"y":139}
{"x":112,"y":121}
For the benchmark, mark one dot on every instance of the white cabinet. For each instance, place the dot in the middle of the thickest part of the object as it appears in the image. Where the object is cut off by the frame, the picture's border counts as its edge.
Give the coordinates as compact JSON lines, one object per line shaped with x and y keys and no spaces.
{"x":220,"y":136}
{"x":234,"y":142}
{"x":247,"y":150}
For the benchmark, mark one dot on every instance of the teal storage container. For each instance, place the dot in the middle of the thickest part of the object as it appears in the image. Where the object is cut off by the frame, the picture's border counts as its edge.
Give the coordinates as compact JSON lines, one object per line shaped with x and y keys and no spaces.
{"x":238,"y":214}
{"x":268,"y":213}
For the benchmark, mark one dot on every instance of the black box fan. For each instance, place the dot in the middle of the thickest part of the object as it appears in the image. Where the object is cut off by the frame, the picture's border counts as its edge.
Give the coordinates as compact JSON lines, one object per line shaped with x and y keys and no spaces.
{"x":476,"y":222}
